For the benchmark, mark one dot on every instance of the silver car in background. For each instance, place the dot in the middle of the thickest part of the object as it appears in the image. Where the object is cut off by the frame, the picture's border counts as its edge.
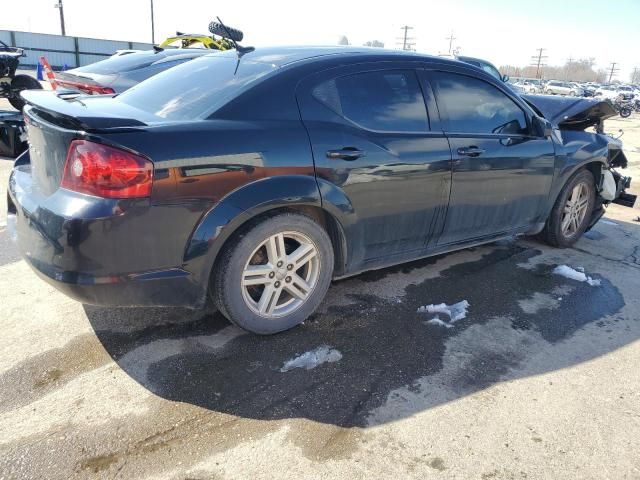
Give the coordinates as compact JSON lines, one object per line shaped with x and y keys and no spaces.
{"x":557,"y":87}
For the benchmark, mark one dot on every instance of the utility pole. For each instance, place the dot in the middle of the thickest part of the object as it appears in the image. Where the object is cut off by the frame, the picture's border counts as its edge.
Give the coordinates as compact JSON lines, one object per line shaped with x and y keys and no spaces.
{"x":153,"y":32}
{"x":451,"y":38}
{"x":567,"y":66}
{"x":634,"y":75}
{"x":406,"y":40}
{"x":537,"y":61}
{"x":613,"y":70}
{"x":59,"y":7}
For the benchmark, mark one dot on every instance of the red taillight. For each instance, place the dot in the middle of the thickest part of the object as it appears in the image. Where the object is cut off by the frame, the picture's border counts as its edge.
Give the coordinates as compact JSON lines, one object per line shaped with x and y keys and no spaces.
{"x":90,"y":88}
{"x":105,"y":171}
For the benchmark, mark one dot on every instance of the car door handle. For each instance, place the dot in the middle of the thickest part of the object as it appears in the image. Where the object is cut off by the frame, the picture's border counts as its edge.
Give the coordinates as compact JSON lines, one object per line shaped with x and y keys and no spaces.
{"x":471,"y":151}
{"x":346,"y":153}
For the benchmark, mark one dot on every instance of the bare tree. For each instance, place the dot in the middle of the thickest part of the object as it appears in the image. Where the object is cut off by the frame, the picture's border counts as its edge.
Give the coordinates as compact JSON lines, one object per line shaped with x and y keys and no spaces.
{"x":581,"y":70}
{"x":343,"y":40}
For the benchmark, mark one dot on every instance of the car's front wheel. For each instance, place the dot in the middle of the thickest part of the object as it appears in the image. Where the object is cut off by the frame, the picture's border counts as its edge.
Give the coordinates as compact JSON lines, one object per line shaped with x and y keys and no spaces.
{"x":273,"y":274}
{"x":572,"y":211}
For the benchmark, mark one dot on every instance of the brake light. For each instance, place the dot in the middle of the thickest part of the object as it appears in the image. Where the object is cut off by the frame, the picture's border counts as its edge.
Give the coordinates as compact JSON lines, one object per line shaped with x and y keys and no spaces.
{"x":90,"y":88}
{"x":105,"y":171}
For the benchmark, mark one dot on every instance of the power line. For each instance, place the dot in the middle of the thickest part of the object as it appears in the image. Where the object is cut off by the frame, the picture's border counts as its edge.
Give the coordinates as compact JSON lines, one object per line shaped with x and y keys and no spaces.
{"x":537,"y":61}
{"x":451,"y":38}
{"x":406,"y":40}
{"x":613,"y":70}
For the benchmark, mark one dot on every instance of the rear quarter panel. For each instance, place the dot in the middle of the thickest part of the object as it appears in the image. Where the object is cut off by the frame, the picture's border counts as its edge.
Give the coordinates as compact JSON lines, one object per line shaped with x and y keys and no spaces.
{"x":208,"y":175}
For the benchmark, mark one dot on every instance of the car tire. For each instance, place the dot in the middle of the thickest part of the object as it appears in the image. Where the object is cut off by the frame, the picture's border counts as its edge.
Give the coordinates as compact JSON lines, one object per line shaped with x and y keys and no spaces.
{"x":274,"y":273}
{"x":18,"y":84}
{"x":572,"y":93}
{"x":572,"y":211}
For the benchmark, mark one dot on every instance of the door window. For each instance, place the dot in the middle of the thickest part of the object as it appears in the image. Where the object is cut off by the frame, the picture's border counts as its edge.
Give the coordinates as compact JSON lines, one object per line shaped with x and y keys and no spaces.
{"x":387,"y":101}
{"x":474,"y":106}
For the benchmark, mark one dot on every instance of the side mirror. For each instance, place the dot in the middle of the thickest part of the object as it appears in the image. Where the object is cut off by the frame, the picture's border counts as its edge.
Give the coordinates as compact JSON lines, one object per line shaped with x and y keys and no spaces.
{"x":542,"y":127}
{"x":505,"y":78}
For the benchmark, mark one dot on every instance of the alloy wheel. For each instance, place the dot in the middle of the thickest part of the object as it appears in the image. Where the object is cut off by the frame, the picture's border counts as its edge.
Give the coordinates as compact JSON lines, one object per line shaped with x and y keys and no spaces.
{"x":280,"y":274}
{"x":575,"y":210}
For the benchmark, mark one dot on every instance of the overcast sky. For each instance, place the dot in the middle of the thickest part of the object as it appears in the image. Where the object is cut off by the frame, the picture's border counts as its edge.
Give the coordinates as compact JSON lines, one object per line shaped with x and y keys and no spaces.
{"x":502,"y":31}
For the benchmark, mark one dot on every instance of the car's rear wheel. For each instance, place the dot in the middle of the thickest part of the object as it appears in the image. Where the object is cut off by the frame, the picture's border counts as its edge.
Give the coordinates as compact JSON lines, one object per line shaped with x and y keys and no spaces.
{"x":571,"y":213}
{"x":18,"y":84}
{"x":274,"y":274}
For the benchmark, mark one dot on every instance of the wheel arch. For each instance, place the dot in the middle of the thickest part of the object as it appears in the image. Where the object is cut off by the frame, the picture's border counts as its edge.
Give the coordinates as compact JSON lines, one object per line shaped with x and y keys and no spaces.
{"x":296,"y":193}
{"x":594,"y":165}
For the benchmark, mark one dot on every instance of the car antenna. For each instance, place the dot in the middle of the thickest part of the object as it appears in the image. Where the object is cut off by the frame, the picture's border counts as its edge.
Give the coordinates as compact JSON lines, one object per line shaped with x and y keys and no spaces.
{"x":240,"y":49}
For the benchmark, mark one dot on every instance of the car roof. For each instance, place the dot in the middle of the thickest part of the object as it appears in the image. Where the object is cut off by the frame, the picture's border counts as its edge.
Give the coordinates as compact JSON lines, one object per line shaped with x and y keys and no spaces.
{"x":281,"y":56}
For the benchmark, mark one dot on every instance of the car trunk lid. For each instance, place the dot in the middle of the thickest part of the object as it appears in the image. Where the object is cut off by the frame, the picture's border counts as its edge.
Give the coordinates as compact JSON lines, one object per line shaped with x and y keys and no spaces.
{"x":52,"y":123}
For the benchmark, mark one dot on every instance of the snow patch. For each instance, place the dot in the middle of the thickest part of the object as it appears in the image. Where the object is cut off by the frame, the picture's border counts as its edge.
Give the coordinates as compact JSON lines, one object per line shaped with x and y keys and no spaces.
{"x":456,"y":312}
{"x":436,"y":321}
{"x":312,"y":359}
{"x":575,"y":274}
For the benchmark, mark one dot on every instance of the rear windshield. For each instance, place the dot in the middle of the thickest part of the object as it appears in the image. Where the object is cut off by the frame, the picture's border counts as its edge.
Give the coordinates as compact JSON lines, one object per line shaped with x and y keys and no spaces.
{"x":196,"y":88}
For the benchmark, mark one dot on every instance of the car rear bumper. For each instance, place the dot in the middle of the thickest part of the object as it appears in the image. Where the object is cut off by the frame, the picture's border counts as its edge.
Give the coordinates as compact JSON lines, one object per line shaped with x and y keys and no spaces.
{"x":101,"y":251}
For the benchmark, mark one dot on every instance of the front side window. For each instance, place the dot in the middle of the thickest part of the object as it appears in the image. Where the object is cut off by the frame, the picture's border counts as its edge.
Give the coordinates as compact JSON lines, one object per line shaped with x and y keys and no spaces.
{"x":474,"y":106}
{"x":386,"y":100}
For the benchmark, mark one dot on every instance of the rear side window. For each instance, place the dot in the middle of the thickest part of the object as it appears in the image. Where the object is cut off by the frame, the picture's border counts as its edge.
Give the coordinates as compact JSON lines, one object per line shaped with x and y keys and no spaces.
{"x":474,"y":106}
{"x":195,"y":88}
{"x":386,"y":101}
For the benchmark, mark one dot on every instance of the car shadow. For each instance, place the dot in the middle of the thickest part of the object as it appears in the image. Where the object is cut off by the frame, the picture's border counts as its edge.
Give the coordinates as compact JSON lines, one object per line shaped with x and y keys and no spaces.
{"x":394,"y":363}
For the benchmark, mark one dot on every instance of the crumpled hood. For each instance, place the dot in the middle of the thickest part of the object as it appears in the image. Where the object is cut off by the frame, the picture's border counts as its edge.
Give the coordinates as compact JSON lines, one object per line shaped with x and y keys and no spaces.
{"x":572,"y":113}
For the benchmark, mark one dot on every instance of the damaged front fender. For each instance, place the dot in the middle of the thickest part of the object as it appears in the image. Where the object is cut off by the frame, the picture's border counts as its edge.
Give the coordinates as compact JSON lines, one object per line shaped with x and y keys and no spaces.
{"x":577,"y":148}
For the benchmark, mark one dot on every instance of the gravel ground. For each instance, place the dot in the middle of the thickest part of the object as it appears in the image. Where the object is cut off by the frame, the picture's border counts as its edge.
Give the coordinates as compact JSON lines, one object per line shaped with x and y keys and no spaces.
{"x":539,"y":380}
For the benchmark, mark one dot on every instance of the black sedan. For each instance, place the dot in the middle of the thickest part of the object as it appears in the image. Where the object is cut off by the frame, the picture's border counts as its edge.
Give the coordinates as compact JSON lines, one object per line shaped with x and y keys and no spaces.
{"x":255,"y":178}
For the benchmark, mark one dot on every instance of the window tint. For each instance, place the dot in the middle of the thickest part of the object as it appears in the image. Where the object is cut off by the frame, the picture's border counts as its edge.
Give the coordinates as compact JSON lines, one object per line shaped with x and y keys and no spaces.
{"x":474,"y":106}
{"x":195,"y":88}
{"x":388,"y":101}
{"x":491,"y":70}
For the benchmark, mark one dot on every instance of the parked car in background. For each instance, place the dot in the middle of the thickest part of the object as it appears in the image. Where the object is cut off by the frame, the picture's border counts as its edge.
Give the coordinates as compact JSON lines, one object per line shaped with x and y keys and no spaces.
{"x":127,"y":68}
{"x":588,"y":89}
{"x":488,"y":67}
{"x":626,"y":92}
{"x":121,"y":72}
{"x":529,"y":87}
{"x":556,"y":87}
{"x":280,"y":169}
{"x":608,"y":91}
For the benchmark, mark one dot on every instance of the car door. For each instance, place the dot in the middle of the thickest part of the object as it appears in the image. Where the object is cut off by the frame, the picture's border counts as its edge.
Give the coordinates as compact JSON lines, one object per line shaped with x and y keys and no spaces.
{"x":502,"y":171}
{"x":373,"y":140}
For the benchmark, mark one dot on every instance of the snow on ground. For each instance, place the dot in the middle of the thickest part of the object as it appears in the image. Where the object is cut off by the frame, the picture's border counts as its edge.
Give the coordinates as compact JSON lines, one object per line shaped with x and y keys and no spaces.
{"x":456,"y":312}
{"x":575,"y":274}
{"x":436,"y":321}
{"x":312,"y":359}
